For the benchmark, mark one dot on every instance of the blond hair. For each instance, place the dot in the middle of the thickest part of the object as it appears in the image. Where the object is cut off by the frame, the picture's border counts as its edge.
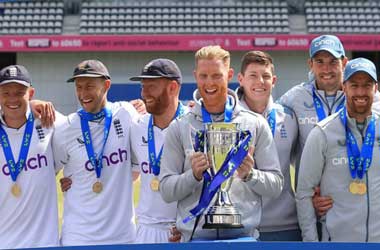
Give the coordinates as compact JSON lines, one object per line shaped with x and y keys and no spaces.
{"x":213,"y":52}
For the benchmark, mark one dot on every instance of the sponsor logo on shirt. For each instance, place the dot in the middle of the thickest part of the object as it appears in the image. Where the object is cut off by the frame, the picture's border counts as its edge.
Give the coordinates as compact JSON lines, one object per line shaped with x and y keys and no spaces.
{"x":339,"y":161}
{"x":341,"y":143}
{"x":307,"y":120}
{"x":113,"y":158}
{"x":118,"y":128}
{"x":144,"y":141}
{"x":308,"y":106}
{"x":31,"y":163}
{"x":145,"y":168}
{"x":80,"y":141}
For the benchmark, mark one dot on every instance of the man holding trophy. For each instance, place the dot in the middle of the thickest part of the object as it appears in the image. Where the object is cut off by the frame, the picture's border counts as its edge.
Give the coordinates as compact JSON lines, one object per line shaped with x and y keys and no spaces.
{"x":219,"y":159}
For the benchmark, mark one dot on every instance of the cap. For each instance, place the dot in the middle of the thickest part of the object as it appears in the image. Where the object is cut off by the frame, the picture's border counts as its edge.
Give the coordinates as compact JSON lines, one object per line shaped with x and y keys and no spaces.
{"x":15,"y":73}
{"x":328,"y":43}
{"x":90,"y":68}
{"x":160,"y":68}
{"x":360,"y":65}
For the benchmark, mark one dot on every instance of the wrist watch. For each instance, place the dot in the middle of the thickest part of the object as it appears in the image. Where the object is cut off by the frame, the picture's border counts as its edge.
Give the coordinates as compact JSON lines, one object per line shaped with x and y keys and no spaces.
{"x":248,"y":177}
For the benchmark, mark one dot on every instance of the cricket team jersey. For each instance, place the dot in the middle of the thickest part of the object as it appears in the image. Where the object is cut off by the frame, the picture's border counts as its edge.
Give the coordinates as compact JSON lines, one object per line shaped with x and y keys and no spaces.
{"x":30,"y":220}
{"x":151,"y":208}
{"x":107,"y":217}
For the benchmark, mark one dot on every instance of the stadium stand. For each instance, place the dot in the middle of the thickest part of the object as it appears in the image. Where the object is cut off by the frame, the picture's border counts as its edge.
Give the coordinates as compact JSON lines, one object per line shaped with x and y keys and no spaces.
{"x":31,"y":17}
{"x":342,"y":17}
{"x":184,"y":17}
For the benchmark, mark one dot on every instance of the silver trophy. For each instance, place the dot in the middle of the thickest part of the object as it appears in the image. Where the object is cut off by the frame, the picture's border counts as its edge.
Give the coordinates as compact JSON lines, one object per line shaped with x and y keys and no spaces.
{"x":220,"y":139}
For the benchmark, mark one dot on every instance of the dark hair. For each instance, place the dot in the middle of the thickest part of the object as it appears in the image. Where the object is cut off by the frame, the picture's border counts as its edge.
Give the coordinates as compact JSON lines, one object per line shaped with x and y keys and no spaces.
{"x":258,"y":57}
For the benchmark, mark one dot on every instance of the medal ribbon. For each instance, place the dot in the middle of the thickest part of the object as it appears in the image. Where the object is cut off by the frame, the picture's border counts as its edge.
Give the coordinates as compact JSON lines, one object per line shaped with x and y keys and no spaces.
{"x":16,"y":168}
{"x":271,"y":118}
{"x":233,"y":160}
{"x":359,"y":162}
{"x":228,"y":110}
{"x":85,"y":117}
{"x":154,"y":161}
{"x":319,"y":106}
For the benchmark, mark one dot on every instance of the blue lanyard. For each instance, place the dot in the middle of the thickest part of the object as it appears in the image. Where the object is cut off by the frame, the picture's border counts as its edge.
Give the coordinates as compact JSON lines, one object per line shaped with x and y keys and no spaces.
{"x":85,"y":117}
{"x":271,"y":118}
{"x":153,"y":160}
{"x":16,"y":168}
{"x":319,"y":106}
{"x":228,"y":110}
{"x":359,"y":162}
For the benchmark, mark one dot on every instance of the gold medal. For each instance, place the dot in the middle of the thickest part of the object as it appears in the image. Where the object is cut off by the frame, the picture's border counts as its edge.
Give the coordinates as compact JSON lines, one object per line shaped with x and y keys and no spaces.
{"x":155,"y":184}
{"x":16,"y":190}
{"x":353,"y":187}
{"x":97,"y":187}
{"x":362,"y":188}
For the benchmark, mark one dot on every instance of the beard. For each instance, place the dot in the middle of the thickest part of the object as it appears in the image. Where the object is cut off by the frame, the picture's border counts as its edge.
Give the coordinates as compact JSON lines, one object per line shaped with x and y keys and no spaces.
{"x":159,"y":105}
{"x":355,"y":109}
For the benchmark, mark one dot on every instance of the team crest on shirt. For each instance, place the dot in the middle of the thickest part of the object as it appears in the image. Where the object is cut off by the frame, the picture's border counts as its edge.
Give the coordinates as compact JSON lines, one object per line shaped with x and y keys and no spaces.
{"x":283,"y":132}
{"x":40,"y":133}
{"x":118,"y":128}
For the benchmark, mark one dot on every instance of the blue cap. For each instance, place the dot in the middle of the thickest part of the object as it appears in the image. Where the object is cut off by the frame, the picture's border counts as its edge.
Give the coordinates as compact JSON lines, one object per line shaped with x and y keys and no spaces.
{"x":328,"y":43}
{"x":16,"y":74}
{"x":360,"y":65}
{"x":160,"y":68}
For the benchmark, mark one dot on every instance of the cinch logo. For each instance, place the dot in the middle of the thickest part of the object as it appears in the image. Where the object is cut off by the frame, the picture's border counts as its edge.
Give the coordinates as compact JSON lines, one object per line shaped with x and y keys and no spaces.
{"x":308,"y":120}
{"x":32,"y":163}
{"x":324,"y":42}
{"x":361,"y":64}
{"x":340,"y":161}
{"x":113,"y":159}
{"x":145,"y":168}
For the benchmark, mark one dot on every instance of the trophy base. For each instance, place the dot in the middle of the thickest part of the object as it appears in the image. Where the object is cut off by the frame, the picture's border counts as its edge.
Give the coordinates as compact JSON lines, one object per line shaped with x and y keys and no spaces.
{"x":222,"y":221}
{"x":222,"y":217}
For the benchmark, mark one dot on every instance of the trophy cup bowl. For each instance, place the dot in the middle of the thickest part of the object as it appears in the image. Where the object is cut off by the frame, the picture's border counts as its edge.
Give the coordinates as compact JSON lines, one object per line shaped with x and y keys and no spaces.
{"x":220,"y":139}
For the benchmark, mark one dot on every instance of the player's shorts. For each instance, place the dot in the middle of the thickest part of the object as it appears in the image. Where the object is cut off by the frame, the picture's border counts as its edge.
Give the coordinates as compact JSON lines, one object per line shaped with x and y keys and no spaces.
{"x":153,"y":233}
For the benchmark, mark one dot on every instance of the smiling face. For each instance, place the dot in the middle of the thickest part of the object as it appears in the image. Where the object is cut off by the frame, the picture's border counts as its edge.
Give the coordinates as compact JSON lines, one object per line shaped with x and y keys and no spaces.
{"x":328,"y":71}
{"x":212,"y":77}
{"x":257,"y":82}
{"x":155,"y":94}
{"x":92,"y":92}
{"x":359,"y":89}
{"x":14,"y":100}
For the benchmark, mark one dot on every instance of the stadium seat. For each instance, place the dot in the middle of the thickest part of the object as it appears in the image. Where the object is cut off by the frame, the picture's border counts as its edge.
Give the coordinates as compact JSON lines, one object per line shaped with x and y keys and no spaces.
{"x":187,"y":17}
